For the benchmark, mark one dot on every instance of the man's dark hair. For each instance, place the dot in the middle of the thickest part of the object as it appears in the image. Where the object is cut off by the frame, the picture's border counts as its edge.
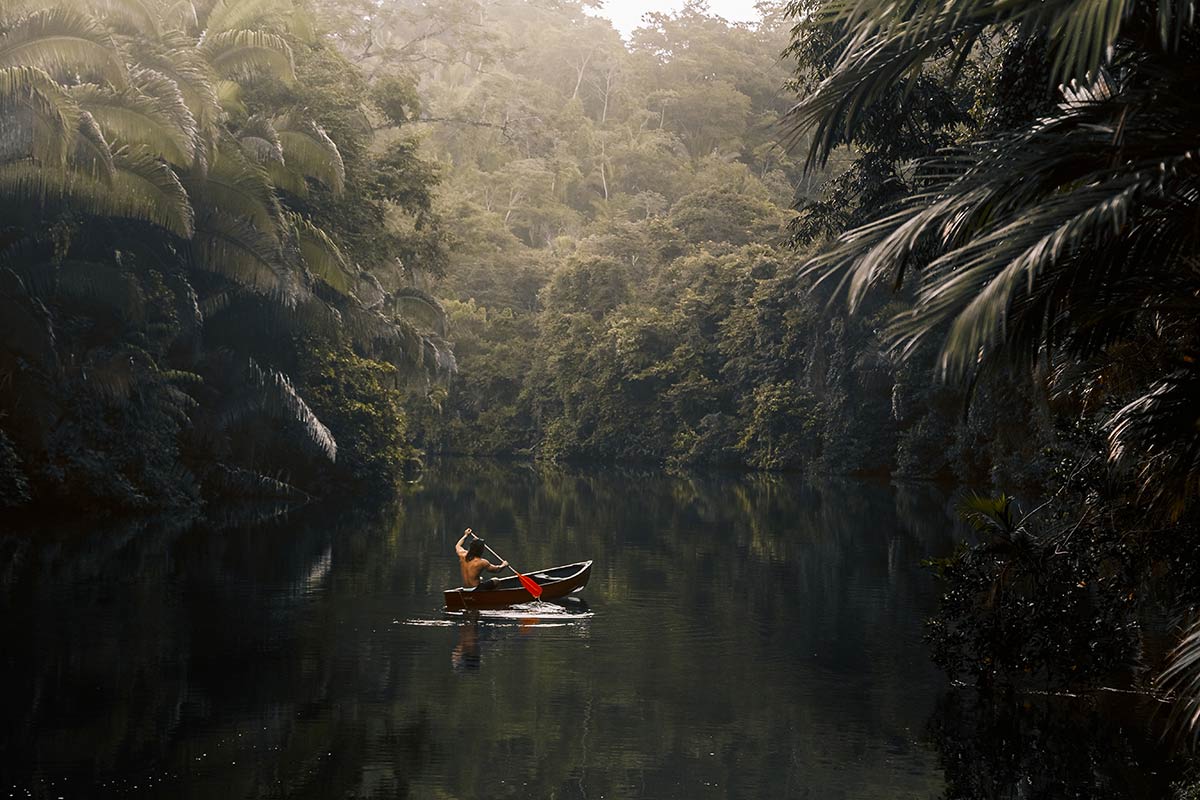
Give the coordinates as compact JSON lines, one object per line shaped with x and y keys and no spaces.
{"x":475,"y":549}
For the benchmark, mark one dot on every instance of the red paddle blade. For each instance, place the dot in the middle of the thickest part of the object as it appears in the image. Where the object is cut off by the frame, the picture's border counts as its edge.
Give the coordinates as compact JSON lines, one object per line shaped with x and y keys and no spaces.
{"x":531,"y":586}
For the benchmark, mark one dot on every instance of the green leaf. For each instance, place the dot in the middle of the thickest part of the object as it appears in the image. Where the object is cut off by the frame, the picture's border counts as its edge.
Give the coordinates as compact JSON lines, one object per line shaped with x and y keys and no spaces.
{"x":153,"y":115}
{"x":321,"y":255}
{"x":141,"y":188}
{"x":231,"y":247}
{"x":38,"y":118}
{"x":63,"y":43}
{"x":244,"y":54}
{"x":309,"y":151}
{"x":238,"y":187}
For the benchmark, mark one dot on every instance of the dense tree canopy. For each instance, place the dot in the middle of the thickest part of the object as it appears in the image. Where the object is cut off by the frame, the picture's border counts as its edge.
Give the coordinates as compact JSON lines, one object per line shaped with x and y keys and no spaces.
{"x":193,"y":215}
{"x":621,"y":252}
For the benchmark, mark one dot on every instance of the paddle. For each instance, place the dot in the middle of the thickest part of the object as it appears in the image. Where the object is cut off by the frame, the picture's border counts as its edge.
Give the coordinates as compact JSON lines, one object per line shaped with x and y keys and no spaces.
{"x":530,"y":584}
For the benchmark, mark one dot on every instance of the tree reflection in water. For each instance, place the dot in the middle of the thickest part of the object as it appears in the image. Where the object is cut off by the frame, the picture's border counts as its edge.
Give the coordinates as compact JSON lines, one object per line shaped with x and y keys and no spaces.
{"x":750,"y":636}
{"x":1024,"y":746}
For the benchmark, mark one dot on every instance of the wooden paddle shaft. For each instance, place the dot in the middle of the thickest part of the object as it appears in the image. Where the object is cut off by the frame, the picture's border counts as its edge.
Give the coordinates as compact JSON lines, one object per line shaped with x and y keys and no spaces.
{"x":530,"y":584}
{"x":497,"y":555}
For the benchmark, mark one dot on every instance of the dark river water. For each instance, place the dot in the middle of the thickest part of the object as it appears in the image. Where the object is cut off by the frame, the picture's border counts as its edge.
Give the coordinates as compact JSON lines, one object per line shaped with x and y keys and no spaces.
{"x":742,"y":637}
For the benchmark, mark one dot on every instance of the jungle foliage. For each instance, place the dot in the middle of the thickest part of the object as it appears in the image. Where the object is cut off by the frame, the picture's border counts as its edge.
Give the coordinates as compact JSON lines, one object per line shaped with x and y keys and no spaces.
{"x":623,"y":283}
{"x":1004,"y":197}
{"x":1049,"y":238}
{"x":196,"y":226}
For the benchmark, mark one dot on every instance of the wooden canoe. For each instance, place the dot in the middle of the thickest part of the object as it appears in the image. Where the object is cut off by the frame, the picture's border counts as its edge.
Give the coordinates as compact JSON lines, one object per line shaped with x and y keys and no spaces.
{"x":556,"y":582}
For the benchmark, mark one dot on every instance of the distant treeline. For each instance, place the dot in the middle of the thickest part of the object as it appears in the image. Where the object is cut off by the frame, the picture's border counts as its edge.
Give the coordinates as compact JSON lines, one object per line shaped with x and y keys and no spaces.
{"x":626,"y":281}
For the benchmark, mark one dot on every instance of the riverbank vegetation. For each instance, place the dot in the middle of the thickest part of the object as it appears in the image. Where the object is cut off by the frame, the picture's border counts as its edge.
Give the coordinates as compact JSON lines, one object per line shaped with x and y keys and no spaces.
{"x":1004,"y":202}
{"x":627,"y":278}
{"x":932,"y":241}
{"x":1045,"y":236}
{"x":205,"y":268}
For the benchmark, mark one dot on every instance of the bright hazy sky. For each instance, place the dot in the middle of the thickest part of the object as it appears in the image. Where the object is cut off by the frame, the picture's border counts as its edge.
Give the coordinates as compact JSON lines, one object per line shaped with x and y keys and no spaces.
{"x":627,"y":14}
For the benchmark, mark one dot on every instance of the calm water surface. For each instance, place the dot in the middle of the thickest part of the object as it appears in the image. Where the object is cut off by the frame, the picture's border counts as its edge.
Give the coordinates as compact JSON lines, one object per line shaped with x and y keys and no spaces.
{"x":743,"y":637}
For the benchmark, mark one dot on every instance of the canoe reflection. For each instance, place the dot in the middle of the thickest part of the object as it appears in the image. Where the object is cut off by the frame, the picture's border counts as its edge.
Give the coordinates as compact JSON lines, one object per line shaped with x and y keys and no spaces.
{"x":466,"y":654}
{"x":477,"y":627}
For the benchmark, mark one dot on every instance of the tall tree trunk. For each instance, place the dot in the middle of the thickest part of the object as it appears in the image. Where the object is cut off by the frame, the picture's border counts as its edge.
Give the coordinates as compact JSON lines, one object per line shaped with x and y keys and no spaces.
{"x":582,"y":68}
{"x":608,"y":82}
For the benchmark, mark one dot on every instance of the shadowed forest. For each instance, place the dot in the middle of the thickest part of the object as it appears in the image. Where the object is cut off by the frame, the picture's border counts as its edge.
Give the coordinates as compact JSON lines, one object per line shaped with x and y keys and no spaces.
{"x":284,"y":250}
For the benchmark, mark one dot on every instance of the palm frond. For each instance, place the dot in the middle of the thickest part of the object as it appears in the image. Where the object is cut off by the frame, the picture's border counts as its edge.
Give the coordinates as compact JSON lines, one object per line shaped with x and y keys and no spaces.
{"x":243,"y":317}
{"x":233,"y":15}
{"x":420,"y":308}
{"x":175,"y":58}
{"x":239,"y":482}
{"x":12,"y":11}
{"x":1157,"y":434}
{"x":180,"y":16}
{"x":366,"y":326}
{"x":101,"y":285}
{"x":244,"y":54}
{"x":884,"y":46}
{"x":240,"y":252}
{"x":38,"y":118}
{"x":132,"y":15}
{"x":147,"y":189}
{"x":238,"y":187}
{"x":278,"y":398}
{"x":260,"y":141}
{"x":165,"y":90}
{"x":141,"y":188}
{"x":25,"y":325}
{"x":1009,"y":219}
{"x":153,"y":116}
{"x":1182,"y":678}
{"x":439,"y":357}
{"x":229,"y":97}
{"x":308,"y":150}
{"x":286,"y":179}
{"x":301,"y":24}
{"x":321,"y":255}
{"x":370,"y":291}
{"x":63,"y":42}
{"x":984,"y":277}
{"x":92,"y":155}
{"x":990,"y":514}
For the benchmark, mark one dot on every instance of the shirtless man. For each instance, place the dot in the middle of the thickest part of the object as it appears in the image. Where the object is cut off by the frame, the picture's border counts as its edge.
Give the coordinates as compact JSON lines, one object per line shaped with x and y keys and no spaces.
{"x":472,"y":563}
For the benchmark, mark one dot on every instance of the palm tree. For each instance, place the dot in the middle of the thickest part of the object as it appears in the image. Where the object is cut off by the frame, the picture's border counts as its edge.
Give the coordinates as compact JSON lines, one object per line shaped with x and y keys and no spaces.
{"x":154,"y":142}
{"x":1066,"y":242}
{"x":1058,"y":238}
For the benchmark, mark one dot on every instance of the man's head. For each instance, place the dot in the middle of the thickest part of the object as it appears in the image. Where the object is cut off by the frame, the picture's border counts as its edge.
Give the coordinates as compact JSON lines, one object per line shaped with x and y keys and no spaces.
{"x":475,"y":549}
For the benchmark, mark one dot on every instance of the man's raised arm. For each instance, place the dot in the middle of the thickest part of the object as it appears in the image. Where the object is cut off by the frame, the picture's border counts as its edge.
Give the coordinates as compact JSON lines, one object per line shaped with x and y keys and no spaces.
{"x":458,"y":548}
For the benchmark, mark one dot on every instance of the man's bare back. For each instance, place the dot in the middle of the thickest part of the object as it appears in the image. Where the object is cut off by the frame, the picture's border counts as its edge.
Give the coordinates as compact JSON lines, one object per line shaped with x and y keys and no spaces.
{"x":471,"y":563}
